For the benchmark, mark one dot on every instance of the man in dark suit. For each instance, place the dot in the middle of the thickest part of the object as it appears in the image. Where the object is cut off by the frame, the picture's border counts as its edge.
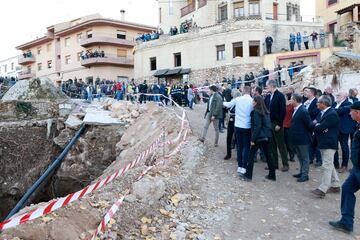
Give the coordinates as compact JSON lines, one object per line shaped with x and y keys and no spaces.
{"x":311,"y":106}
{"x":213,"y":113}
{"x":326,"y":133}
{"x":276,"y":104}
{"x":300,"y":136}
{"x":346,"y":127}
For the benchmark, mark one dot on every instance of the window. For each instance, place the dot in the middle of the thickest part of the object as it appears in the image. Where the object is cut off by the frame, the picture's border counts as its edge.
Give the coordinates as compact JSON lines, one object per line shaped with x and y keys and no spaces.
{"x":12,"y":66}
{"x":152,"y":63}
{"x":171,"y":9}
{"x":121,"y":34}
{"x":177,"y":59}
{"x":89,"y":34}
{"x":67,"y":42}
{"x":220,"y":52}
{"x":254,"y":48}
{"x":239,"y":9}
{"x":49,"y":64}
{"x":79,"y":37}
{"x":48,"y":47}
{"x":67,"y":59}
{"x":332,"y":27}
{"x":159,"y":15}
{"x":29,"y":68}
{"x":223,"y":13}
{"x":5,"y":68}
{"x":39,"y":66}
{"x":121,"y":52}
{"x":238,"y":49}
{"x":331,"y":2}
{"x":254,"y":8}
{"x":39,"y":50}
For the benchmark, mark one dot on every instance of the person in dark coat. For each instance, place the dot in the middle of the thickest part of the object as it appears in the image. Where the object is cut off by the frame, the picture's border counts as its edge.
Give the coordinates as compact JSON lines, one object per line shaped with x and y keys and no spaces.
{"x":276,"y":104}
{"x":326,"y":132}
{"x":347,"y":127}
{"x":269,"y":41}
{"x":231,"y":124}
{"x":260,"y":136}
{"x":352,"y":183}
{"x":300,"y":136}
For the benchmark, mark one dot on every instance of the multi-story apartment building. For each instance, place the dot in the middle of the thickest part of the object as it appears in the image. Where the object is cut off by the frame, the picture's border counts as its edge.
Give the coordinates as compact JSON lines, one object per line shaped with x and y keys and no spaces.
{"x":225,"y":38}
{"x":338,"y":13}
{"x":9,"y":68}
{"x":59,"y":55}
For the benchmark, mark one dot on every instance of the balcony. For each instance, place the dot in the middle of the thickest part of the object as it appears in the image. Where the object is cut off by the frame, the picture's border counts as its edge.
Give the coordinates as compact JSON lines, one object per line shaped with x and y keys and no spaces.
{"x":108,"y":60}
{"x":188,"y":9}
{"x":26,"y":60}
{"x":26,"y":75}
{"x":202,"y":3}
{"x":105,"y":39}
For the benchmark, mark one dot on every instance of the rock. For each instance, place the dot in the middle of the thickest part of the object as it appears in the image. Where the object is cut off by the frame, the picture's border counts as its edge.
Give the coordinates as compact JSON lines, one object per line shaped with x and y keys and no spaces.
{"x":73,"y":122}
{"x":63,"y":138}
{"x":178,"y":235}
{"x":130,"y":198}
{"x":149,"y":189}
{"x":135,"y":114}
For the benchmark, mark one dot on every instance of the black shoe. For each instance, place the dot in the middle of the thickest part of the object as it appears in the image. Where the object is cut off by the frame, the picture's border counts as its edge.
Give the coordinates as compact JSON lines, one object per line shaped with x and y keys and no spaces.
{"x":268,"y":177}
{"x":245,"y":178}
{"x":227,"y":157}
{"x":303,"y":179}
{"x":341,"y":227}
{"x":297,"y":175}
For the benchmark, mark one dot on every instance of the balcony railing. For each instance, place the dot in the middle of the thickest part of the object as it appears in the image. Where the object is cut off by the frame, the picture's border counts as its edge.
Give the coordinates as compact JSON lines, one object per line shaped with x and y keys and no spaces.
{"x":109,"y":59}
{"x":26,"y":75}
{"x":106,"y":39}
{"x":188,"y":9}
{"x":26,"y":60}
{"x":202,"y":3}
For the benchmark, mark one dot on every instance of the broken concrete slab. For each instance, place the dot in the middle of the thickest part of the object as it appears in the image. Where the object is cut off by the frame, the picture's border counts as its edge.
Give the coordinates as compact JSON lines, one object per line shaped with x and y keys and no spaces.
{"x":73,"y":122}
{"x":101,"y":118}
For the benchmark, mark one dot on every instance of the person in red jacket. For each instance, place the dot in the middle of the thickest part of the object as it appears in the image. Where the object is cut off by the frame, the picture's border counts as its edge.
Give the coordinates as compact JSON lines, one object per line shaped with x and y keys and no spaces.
{"x":287,"y":123}
{"x":118,"y":91}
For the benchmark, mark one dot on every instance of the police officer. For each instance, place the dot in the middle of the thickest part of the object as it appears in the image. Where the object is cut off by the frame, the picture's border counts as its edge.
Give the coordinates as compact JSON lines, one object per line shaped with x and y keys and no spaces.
{"x":352,"y":183}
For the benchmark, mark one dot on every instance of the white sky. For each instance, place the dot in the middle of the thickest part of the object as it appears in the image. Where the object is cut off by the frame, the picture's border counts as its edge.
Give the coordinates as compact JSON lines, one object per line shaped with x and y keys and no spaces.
{"x":23,"y":20}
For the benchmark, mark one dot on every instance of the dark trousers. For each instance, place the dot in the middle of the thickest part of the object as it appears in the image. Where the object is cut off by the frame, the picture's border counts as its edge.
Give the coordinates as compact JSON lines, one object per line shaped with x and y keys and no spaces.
{"x":292,"y":46}
{"x":306,"y":45}
{"x":348,"y":199}
{"x":344,"y":143}
{"x":243,"y":137}
{"x":302,"y":152}
{"x":315,"y":152}
{"x":290,"y":148}
{"x":268,"y":48}
{"x":142,"y":98}
{"x":250,"y":165}
{"x":229,"y":136}
{"x":278,"y":142}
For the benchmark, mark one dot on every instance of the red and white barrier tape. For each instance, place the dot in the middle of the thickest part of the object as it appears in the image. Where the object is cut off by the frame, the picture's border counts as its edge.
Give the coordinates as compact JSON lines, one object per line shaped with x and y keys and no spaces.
{"x":119,"y":202}
{"x":61,"y":202}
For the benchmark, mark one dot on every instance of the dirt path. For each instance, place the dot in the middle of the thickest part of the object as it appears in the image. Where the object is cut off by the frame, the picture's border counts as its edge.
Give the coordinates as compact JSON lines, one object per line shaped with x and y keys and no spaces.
{"x":229,"y":208}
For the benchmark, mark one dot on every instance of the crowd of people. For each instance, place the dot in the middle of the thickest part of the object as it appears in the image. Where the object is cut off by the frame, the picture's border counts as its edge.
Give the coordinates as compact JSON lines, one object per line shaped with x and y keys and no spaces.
{"x":90,"y":54}
{"x":145,"y":37}
{"x":298,"y":39}
{"x":309,"y":125}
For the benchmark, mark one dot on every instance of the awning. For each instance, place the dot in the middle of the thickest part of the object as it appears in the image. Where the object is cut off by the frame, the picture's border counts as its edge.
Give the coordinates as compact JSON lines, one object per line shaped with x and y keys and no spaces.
{"x":347,"y":9}
{"x":171,"y":72}
{"x":160,"y":73}
{"x":185,"y":71}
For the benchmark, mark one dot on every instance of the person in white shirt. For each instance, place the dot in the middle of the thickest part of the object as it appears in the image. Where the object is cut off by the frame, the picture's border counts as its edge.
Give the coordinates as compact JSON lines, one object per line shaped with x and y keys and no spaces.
{"x":243,"y":108}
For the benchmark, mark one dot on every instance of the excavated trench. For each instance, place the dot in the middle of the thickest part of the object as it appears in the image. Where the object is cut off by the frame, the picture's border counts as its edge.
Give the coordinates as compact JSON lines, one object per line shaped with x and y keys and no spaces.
{"x":28,"y":147}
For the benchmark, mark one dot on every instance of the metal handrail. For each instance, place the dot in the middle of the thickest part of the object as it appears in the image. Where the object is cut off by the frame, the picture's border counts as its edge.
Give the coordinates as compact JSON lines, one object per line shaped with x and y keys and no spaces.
{"x":56,"y":163}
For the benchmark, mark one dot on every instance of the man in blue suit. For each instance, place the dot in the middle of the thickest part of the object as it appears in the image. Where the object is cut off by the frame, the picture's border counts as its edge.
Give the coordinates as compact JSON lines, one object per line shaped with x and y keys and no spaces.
{"x":300,"y":136}
{"x":347,"y":127}
{"x":311,"y":106}
{"x":326,"y":132}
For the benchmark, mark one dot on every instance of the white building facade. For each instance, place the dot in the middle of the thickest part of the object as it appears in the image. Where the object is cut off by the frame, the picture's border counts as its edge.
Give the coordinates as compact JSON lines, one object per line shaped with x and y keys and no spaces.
{"x":225,"y":38}
{"x":9,"y":68}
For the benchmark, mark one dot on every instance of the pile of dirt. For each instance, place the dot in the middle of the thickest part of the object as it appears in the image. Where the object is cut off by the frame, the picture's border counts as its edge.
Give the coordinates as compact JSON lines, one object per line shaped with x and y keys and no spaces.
{"x":35,"y":90}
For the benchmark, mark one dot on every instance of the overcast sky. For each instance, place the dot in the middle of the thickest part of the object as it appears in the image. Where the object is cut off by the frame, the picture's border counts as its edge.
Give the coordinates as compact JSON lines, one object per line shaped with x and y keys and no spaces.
{"x":24,"y":20}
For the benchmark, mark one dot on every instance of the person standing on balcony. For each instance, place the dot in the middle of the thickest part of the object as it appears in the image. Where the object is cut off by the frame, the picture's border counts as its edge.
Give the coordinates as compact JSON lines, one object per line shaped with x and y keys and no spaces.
{"x":322,"y":38}
{"x":292,"y":41}
{"x":314,"y":37}
{"x":306,"y":39}
{"x":298,"y":40}
{"x":269,"y":41}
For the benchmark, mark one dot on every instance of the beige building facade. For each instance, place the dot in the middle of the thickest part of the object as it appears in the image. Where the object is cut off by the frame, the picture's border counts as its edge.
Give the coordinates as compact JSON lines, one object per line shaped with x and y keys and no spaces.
{"x":61,"y":54}
{"x":221,"y":45}
{"x":338,"y":14}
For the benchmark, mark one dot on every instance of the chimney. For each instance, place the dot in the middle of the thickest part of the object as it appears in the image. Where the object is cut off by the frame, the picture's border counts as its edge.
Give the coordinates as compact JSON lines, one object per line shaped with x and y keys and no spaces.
{"x":122,"y":15}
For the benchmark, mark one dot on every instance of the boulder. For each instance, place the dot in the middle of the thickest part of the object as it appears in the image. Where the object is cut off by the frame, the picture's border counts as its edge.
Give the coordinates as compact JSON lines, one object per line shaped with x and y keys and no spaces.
{"x":149,"y":189}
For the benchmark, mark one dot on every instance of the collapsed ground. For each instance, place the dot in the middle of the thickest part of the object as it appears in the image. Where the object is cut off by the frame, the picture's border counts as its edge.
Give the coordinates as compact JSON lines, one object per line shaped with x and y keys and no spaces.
{"x":195,"y":195}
